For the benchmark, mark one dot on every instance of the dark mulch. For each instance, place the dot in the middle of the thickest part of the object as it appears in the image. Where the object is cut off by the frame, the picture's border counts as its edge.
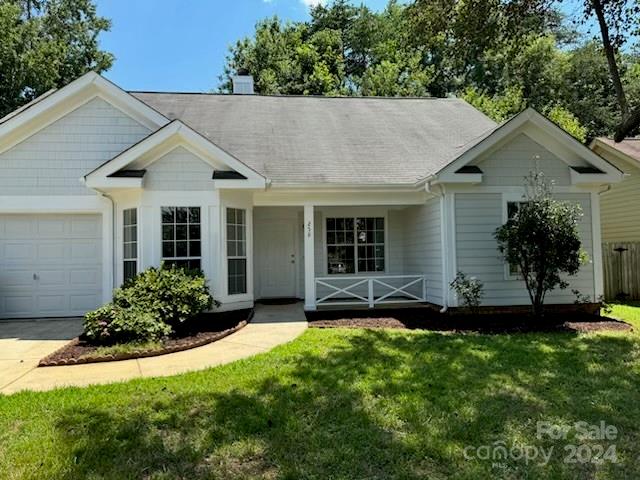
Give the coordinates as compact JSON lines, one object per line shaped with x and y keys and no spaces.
{"x":604,"y":324}
{"x":199,"y":331}
{"x":485,"y":323}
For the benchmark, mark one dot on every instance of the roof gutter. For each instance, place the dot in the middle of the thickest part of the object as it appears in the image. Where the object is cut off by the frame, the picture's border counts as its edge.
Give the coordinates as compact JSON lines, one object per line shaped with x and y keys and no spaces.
{"x":392,"y":187}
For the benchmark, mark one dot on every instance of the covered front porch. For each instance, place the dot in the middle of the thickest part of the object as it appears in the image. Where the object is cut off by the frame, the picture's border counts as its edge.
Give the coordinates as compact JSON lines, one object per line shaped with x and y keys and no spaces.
{"x":335,"y":256}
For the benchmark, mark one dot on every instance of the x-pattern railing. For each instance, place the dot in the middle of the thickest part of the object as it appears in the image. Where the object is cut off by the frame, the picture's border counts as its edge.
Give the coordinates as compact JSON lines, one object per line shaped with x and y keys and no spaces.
{"x":385,"y":287}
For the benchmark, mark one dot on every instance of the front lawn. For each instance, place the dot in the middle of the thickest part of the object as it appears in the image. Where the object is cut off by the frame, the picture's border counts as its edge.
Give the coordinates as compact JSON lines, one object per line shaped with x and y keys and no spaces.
{"x":343,"y":403}
{"x":629,"y":312}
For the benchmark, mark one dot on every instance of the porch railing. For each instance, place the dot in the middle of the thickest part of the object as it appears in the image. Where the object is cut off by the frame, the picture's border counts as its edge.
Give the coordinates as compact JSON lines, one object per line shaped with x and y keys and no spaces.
{"x":370,"y":290}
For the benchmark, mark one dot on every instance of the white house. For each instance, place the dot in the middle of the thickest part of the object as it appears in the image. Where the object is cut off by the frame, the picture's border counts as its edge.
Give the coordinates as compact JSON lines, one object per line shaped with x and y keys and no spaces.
{"x":337,"y":201}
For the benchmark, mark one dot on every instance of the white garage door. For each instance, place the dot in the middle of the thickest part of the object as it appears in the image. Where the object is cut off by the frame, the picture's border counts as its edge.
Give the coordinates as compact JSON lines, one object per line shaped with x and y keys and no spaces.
{"x":50,"y":265}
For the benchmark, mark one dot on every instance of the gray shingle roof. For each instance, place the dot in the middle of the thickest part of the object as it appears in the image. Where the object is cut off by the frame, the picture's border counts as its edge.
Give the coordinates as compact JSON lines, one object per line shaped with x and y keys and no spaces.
{"x":628,"y":146}
{"x":330,"y":140}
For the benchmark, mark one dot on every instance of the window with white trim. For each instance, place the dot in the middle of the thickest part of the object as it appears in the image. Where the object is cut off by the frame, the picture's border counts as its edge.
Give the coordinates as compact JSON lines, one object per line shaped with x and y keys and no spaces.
{"x":181,"y":237}
{"x":236,"y":251}
{"x":512,"y":209}
{"x":355,"y":245}
{"x":129,"y":243}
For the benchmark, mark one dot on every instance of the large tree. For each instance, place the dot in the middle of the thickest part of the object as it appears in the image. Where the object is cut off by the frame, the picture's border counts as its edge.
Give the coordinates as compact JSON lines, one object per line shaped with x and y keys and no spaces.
{"x":341,"y":50}
{"x":45,"y":44}
{"x":500,"y":55}
{"x":617,"y":23}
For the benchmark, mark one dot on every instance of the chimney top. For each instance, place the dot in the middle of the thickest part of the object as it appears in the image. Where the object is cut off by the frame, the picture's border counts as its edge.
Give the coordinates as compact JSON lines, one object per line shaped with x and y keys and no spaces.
{"x":242,"y":83}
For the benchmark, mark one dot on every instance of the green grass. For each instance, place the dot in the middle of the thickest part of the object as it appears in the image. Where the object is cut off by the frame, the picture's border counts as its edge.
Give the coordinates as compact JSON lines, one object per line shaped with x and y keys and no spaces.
{"x":629,"y":312}
{"x":120,"y":348}
{"x":341,"y":404}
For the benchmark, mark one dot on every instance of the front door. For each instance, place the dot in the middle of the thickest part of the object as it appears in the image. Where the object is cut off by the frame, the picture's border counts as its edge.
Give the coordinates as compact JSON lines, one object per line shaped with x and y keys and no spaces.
{"x":275,"y":258}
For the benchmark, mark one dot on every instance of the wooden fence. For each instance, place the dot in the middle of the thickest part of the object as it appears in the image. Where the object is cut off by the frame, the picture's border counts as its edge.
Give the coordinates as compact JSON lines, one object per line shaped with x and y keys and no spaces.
{"x":621,"y":270}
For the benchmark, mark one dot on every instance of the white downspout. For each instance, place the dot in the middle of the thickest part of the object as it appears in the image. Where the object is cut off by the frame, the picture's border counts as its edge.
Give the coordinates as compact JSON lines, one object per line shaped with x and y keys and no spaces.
{"x":114,"y":260}
{"x":443,"y":244}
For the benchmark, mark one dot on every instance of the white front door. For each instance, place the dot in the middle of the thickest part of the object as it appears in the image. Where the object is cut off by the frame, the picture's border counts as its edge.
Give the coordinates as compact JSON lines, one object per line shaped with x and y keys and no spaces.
{"x":50,"y":265}
{"x":275,"y":258}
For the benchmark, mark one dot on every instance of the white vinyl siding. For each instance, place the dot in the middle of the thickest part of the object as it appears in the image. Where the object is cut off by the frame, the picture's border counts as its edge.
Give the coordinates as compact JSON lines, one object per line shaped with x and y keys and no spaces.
{"x":477,"y":217}
{"x":179,"y":170}
{"x":52,"y":161}
{"x":620,"y":206}
{"x":509,"y":165}
{"x":423,"y":246}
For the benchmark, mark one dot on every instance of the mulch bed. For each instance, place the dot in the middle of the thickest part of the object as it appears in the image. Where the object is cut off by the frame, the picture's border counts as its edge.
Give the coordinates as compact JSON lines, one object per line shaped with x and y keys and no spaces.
{"x":492,"y":324}
{"x":204,"y":329}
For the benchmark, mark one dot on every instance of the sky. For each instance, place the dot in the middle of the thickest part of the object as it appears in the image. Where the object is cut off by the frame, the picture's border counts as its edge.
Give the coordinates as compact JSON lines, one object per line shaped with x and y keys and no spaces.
{"x":180,"y":45}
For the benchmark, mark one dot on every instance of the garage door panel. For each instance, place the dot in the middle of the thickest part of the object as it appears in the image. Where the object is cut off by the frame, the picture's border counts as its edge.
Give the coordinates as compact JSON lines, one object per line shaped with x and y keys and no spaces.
{"x":52,"y":227}
{"x":10,"y":278}
{"x":18,"y":252}
{"x":17,"y":227}
{"x":51,"y":252}
{"x":50,"y":265}
{"x":18,"y":305}
{"x":53,"y":304}
{"x":85,"y":277}
{"x":88,"y":228}
{"x":53,"y":278}
{"x":82,"y":303}
{"x":85,"y":250}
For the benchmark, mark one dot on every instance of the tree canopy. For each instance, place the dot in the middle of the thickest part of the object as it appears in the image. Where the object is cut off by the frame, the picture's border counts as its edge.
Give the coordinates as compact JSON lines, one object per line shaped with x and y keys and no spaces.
{"x":500,"y":55}
{"x":46,"y":44}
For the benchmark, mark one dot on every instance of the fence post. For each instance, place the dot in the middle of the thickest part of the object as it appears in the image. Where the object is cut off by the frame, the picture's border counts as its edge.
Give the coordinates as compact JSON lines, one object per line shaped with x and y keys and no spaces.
{"x":371,"y":301}
{"x":424,"y":288}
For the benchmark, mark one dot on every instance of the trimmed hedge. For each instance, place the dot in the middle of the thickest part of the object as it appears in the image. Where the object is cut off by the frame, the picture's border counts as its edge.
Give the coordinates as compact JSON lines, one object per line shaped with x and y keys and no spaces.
{"x":112,"y":324}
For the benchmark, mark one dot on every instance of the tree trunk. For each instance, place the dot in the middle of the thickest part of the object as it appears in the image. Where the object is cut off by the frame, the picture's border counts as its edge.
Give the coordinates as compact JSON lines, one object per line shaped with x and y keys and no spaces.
{"x":628,"y":125}
{"x":610,"y":53}
{"x":538,"y":306}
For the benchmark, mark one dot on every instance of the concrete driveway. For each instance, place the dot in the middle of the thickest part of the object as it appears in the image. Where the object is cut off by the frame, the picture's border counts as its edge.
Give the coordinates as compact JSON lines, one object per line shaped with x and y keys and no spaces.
{"x":24,"y":342}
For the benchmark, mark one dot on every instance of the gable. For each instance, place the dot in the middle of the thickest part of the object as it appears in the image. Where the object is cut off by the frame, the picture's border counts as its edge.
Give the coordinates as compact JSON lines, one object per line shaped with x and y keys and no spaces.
{"x":517,"y":144}
{"x":179,"y":169}
{"x":51,"y":106}
{"x":52,"y":160}
{"x":156,"y":146}
{"x":510,"y":163}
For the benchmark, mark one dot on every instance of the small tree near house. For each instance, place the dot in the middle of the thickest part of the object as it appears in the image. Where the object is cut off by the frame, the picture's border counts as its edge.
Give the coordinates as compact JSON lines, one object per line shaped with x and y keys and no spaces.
{"x":541,"y":239}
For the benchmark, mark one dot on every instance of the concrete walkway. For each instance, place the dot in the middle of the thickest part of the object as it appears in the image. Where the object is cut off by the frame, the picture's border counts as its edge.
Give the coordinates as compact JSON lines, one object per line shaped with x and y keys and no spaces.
{"x":24,"y":343}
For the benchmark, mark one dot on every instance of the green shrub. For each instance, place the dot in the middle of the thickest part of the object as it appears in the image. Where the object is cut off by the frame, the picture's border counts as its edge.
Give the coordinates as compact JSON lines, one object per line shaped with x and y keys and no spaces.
{"x":149,"y":306}
{"x":470,"y":290}
{"x":112,"y":324}
{"x":172,"y":295}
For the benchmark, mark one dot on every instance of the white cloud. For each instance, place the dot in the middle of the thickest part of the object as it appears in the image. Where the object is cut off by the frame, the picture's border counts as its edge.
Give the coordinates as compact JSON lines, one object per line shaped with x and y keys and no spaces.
{"x":313,"y":3}
{"x":308,"y":3}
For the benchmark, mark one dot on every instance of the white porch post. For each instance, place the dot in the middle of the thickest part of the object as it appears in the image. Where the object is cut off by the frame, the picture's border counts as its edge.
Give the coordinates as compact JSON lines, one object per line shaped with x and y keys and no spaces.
{"x":309,"y":259}
{"x":596,"y":240}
